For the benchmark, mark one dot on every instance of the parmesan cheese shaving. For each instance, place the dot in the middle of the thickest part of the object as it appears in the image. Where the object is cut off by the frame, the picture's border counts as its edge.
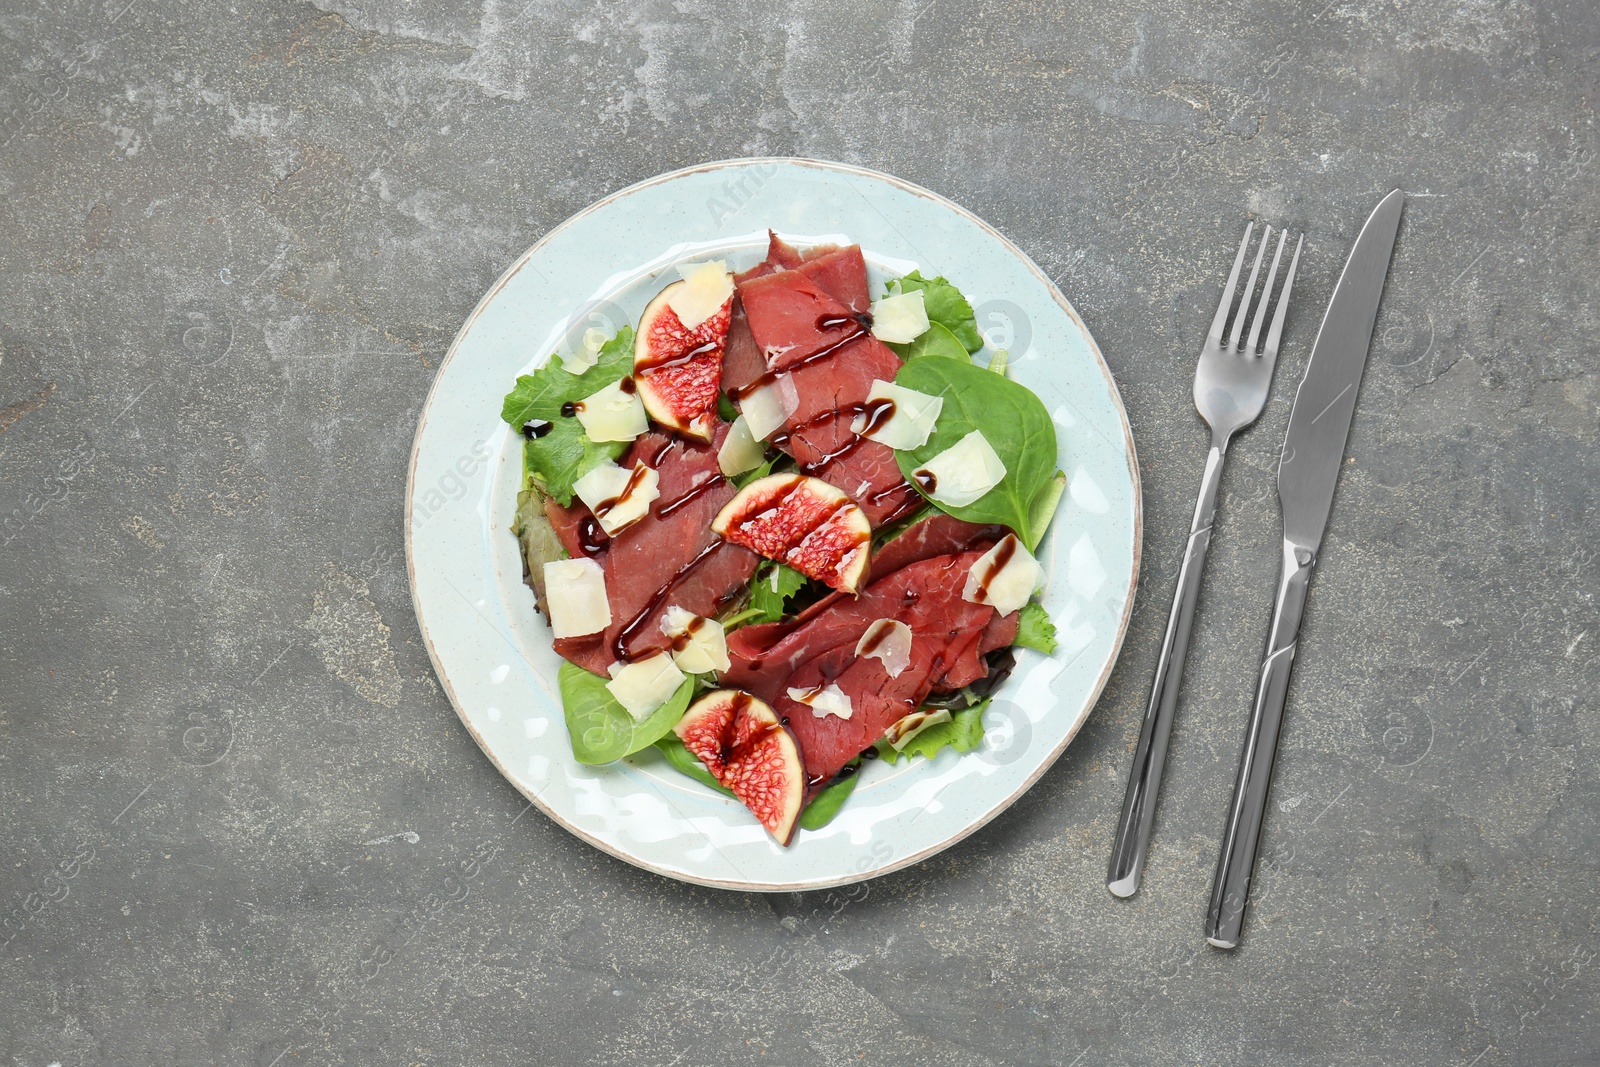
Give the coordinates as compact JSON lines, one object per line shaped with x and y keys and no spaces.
{"x":824,"y":702}
{"x":706,"y":287}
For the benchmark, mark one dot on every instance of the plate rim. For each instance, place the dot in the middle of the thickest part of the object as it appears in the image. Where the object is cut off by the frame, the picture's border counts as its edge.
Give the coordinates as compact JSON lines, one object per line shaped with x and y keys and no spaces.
{"x":984,"y":818}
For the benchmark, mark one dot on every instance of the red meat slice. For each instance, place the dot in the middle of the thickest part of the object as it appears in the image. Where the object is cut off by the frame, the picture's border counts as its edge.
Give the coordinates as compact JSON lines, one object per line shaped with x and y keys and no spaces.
{"x":742,"y":361}
{"x":780,"y":256}
{"x":819,"y":437}
{"x":945,"y":628}
{"x":968,"y":665}
{"x":841,"y":273}
{"x":763,"y":655}
{"x":673,"y":543}
{"x":800,"y":328}
{"x":937,"y":535}
{"x":792,"y":318}
{"x":568,"y":524}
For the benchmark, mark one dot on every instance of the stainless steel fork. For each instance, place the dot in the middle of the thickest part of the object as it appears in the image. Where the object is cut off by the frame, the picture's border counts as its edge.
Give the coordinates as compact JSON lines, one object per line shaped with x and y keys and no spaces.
{"x":1230,"y":389}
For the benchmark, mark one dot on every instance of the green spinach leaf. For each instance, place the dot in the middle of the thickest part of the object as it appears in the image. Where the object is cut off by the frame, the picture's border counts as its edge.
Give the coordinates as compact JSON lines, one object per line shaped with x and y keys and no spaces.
{"x":936,"y":340}
{"x":1035,"y":630}
{"x":1044,"y":506}
{"x":565,"y":453}
{"x":945,"y":305}
{"x":1011,"y":419}
{"x":687,"y":762}
{"x":826,"y":804}
{"x":818,"y":813}
{"x":964,"y":732}
{"x":600,"y":728}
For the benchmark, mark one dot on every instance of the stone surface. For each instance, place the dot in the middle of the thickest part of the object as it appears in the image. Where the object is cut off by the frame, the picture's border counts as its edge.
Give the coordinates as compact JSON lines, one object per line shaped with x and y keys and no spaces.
{"x":241,"y":824}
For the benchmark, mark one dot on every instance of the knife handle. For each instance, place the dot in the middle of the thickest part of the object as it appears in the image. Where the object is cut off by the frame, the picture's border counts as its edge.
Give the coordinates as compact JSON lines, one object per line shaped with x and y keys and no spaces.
{"x":1230,"y":891}
{"x":1150,"y":756}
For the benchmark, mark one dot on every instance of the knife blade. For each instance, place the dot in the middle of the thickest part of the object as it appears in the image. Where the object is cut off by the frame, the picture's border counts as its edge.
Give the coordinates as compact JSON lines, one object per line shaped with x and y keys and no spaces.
{"x":1308,"y":473}
{"x":1325,"y":403}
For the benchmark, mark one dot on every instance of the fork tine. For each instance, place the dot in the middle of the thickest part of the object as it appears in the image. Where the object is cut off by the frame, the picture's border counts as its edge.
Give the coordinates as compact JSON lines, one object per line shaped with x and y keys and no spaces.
{"x":1215,"y":336}
{"x":1266,"y":296}
{"x":1249,"y":293}
{"x":1276,"y":332}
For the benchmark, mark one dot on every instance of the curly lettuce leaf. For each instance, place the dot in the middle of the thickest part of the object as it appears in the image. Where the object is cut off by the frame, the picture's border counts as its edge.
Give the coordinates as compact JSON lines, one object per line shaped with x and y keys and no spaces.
{"x":537,"y":538}
{"x":565,"y":453}
{"x":1035,"y":630}
{"x":964,"y":732}
{"x":770,"y":591}
{"x":945,"y":305}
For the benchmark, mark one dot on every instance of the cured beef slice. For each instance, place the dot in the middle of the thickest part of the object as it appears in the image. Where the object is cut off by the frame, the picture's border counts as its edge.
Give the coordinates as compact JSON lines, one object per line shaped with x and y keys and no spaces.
{"x":780,"y":256}
{"x":841,"y":273}
{"x":742,"y":361}
{"x":945,"y":628}
{"x":764,"y":655}
{"x":937,"y":535}
{"x":800,"y":328}
{"x":792,"y":318}
{"x":673,"y":545}
{"x":568,"y":524}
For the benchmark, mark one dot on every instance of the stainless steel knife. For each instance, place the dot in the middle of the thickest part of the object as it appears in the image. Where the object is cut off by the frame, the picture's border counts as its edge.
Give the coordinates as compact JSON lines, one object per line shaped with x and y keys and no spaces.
{"x":1308,"y":470}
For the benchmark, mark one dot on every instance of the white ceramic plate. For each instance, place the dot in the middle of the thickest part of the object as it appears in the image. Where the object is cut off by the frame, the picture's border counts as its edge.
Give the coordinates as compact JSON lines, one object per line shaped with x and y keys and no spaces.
{"x":492,"y":650}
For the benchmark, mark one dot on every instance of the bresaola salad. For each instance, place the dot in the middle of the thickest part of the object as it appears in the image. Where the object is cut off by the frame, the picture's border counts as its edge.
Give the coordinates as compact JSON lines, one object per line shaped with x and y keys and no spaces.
{"x":783,"y":527}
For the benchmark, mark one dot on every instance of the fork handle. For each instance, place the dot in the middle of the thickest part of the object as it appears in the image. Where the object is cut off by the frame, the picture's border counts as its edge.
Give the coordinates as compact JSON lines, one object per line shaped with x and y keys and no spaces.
{"x":1144,"y":780}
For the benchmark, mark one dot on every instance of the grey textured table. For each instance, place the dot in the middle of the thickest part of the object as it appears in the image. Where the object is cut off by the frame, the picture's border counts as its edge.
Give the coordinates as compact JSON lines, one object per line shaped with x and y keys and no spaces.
{"x":239,"y":823}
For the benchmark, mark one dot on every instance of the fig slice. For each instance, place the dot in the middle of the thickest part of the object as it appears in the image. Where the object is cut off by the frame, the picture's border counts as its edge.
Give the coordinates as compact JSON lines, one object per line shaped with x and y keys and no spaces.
{"x":802,"y":522}
{"x":747,"y":750}
{"x":679,"y":370}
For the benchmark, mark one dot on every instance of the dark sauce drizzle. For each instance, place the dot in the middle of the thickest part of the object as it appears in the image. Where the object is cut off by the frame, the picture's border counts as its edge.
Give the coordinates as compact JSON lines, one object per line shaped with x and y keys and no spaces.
{"x":705,"y":485}
{"x":877,"y":413}
{"x":878,"y":638}
{"x":534,"y":429}
{"x":766,"y":378}
{"x":627,"y":490}
{"x":628,"y":632}
{"x":591,"y":538}
{"x":1002,"y":555}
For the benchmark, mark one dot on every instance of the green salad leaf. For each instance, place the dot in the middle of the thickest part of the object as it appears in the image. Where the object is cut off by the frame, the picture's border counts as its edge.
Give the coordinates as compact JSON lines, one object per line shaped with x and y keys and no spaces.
{"x":1011,"y":419}
{"x":566,"y":454}
{"x":818,"y":813}
{"x":600,"y":728}
{"x":964,"y":732}
{"x":687,"y":762}
{"x":770,"y":590}
{"x":936,"y":340}
{"x":1035,"y":630}
{"x":1044,"y":506}
{"x":537,"y":538}
{"x":742,"y":480}
{"x":826,"y":804}
{"x":946,"y":306}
